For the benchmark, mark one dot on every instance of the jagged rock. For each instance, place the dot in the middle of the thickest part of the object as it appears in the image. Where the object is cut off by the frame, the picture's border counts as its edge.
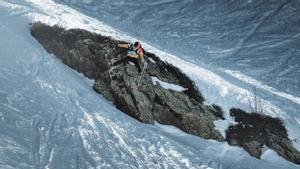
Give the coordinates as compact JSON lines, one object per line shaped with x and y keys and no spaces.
{"x":101,"y":88}
{"x":91,"y":54}
{"x":254,"y":148}
{"x":253,"y":131}
{"x":217,"y":111}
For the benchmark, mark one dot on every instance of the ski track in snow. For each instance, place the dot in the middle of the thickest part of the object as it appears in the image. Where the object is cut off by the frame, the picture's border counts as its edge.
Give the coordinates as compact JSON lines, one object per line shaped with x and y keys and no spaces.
{"x":51,"y":118}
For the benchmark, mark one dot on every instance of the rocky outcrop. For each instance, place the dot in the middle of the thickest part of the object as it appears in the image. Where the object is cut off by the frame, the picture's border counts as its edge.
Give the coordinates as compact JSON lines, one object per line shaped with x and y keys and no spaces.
{"x":254,"y":131}
{"x":91,"y":54}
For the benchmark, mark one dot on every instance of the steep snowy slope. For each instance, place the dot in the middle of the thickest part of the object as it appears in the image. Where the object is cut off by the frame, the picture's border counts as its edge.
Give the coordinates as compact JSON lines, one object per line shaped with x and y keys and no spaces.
{"x":51,"y":118}
{"x":256,"y":37}
{"x":251,"y":44}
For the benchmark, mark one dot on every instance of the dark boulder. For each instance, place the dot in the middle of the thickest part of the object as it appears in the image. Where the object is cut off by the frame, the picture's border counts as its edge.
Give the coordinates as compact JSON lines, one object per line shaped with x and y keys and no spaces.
{"x":254,"y":131}
{"x":217,"y":111}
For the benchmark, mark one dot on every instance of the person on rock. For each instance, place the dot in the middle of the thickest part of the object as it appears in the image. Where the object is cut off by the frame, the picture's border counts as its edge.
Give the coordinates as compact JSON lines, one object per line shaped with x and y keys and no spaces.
{"x":135,"y":52}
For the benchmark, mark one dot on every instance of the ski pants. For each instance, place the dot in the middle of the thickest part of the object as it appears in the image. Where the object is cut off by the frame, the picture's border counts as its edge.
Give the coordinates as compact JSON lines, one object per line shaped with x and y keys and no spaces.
{"x":127,"y":59}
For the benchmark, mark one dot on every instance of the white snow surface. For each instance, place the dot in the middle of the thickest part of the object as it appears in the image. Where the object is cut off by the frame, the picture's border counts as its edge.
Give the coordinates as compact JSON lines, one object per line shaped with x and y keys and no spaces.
{"x":51,"y":117}
{"x":257,"y":38}
{"x":167,"y":85}
{"x":223,"y":55}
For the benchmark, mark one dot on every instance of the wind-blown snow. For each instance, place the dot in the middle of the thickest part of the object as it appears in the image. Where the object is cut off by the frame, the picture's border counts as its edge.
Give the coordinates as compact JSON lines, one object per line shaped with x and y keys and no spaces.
{"x":51,"y":117}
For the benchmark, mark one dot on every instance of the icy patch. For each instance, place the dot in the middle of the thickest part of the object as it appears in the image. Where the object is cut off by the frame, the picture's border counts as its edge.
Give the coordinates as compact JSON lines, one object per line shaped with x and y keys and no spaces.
{"x":166,"y":85}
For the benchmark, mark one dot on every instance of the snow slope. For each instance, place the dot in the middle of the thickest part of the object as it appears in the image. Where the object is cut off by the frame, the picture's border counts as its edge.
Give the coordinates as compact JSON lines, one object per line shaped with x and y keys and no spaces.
{"x":229,"y":47}
{"x":256,"y":37}
{"x":51,"y":118}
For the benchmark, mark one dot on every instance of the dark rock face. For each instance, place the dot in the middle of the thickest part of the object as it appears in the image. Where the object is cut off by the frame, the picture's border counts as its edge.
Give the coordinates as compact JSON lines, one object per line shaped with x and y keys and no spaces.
{"x":218,"y":112}
{"x":253,"y":131}
{"x":91,"y":54}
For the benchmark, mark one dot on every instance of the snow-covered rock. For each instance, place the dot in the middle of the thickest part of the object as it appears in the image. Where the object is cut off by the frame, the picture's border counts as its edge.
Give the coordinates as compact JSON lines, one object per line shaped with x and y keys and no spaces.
{"x":92,"y":54}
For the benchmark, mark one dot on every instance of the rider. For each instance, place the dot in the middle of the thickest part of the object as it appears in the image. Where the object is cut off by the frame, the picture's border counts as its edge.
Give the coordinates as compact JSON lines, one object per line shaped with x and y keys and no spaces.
{"x":134,"y":53}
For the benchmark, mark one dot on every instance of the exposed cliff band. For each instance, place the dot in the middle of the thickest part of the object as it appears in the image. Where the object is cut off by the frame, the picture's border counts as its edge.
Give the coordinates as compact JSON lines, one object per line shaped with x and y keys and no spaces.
{"x":91,"y":54}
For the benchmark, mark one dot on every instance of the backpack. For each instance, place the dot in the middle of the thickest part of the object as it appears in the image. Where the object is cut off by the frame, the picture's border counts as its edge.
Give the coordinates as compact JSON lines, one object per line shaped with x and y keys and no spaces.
{"x":135,"y":50}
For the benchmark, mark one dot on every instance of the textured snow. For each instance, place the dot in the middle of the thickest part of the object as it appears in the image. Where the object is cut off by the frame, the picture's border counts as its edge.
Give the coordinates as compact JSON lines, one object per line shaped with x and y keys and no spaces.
{"x":225,"y":56}
{"x":258,"y":84}
{"x":166,"y":85}
{"x":258,"y":38}
{"x":52,"y":118}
